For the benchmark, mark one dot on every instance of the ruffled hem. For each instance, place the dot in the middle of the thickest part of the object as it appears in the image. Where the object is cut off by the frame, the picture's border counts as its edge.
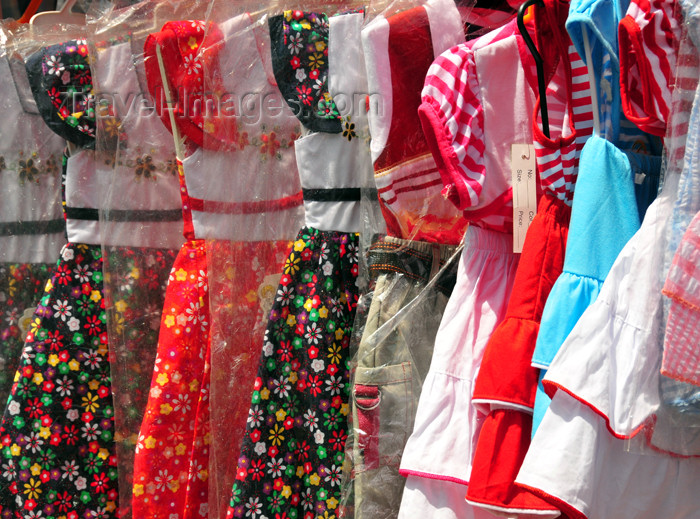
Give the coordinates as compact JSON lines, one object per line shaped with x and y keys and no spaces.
{"x":569,"y":298}
{"x":437,"y":500}
{"x":610,"y":361}
{"x":506,"y":378}
{"x":619,"y":383}
{"x":445,"y":418}
{"x":503,"y":443}
{"x":623,"y":483}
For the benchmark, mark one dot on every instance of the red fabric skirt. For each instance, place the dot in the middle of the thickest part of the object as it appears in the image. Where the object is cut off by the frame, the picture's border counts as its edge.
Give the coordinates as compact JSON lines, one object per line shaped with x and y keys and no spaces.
{"x":211,"y":334}
{"x":506,"y":384}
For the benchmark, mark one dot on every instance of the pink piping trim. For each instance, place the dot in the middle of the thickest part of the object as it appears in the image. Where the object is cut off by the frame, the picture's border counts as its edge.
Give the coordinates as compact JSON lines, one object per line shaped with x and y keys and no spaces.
{"x":428,"y":475}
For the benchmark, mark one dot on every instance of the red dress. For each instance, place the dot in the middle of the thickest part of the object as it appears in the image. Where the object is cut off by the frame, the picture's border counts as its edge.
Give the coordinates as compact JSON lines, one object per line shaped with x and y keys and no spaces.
{"x":222,"y":284}
{"x":506,"y":385}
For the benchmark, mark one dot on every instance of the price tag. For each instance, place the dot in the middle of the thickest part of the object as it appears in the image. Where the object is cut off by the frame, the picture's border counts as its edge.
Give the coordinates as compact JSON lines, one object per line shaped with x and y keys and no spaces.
{"x":522,"y":159}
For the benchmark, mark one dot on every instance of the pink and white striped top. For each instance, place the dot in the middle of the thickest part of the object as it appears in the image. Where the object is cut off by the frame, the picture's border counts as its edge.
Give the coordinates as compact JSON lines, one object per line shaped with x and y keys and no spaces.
{"x":571,"y":118}
{"x":649,"y":35}
{"x":476,"y":103}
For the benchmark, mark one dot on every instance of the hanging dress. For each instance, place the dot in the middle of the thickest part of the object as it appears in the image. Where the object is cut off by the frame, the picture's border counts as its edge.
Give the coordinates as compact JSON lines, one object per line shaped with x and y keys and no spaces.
{"x":241,"y":198}
{"x":505,"y":387}
{"x":470,"y":138}
{"x":135,"y":158}
{"x":294,"y":445}
{"x":599,"y":430}
{"x":619,"y":156}
{"x":58,"y":428}
{"x":32,"y":230}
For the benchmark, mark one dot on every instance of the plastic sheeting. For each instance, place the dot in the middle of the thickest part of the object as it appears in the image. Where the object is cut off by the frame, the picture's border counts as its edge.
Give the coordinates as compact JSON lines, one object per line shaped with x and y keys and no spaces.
{"x":409,"y":261}
{"x":32,"y":229}
{"x":140,"y":216}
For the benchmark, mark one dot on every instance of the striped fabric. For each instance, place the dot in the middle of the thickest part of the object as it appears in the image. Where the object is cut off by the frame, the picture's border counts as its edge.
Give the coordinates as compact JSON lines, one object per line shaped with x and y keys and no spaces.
{"x":681,"y":358}
{"x":398,"y":53}
{"x":648,"y":38}
{"x":558,"y":163}
{"x":483,"y":16}
{"x":452,"y":93}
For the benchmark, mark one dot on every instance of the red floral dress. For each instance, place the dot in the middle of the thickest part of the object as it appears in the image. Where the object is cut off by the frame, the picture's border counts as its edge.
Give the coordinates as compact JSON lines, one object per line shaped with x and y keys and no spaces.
{"x":218,"y":298}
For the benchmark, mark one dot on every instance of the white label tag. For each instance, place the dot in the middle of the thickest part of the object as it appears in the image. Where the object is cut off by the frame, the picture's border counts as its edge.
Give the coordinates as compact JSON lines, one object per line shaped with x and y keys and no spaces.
{"x":522,"y":159}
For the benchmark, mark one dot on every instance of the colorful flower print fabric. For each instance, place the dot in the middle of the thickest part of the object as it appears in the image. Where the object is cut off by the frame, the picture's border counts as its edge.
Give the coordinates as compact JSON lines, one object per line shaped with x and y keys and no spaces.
{"x":135,"y":283}
{"x":300,"y":63}
{"x":175,"y":460}
{"x":21,"y":288}
{"x":293,"y":450}
{"x":164,"y":451}
{"x":61,"y":82}
{"x":57,"y":431}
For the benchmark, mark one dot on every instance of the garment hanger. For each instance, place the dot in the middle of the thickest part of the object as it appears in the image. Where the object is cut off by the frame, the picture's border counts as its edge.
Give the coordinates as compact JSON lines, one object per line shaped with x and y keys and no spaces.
{"x":179,"y":143}
{"x":64,"y":17}
{"x":538,"y":62}
{"x":30,"y":11}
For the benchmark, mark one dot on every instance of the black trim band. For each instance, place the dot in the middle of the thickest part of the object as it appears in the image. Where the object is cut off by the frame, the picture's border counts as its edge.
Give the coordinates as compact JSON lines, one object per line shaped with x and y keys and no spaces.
{"x":120,"y":215}
{"x":340,"y":194}
{"x":32,"y":227}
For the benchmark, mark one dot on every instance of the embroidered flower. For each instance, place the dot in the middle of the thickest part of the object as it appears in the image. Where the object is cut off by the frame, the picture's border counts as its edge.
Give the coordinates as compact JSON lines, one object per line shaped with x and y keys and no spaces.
{"x":145,"y":167}
{"x":326,"y":108}
{"x":349,"y":131}
{"x":305,"y":95}
{"x":270,"y":144}
{"x":171,"y":167}
{"x":295,"y":44}
{"x":51,"y":166}
{"x":111,"y":126}
{"x":27,"y":170}
{"x":316,"y":60}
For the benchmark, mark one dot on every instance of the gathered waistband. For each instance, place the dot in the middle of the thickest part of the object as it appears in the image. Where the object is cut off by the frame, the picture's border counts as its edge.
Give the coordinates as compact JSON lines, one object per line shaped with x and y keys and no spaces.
{"x":552,"y":207}
{"x":478,"y":238}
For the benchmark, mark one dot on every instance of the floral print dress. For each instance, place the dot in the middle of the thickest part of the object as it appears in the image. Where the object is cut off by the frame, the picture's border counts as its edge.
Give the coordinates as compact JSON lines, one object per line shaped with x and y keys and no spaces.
{"x":222,"y":284}
{"x":59,"y":457}
{"x":293,"y":451}
{"x":57,"y":430}
{"x":32,"y":229}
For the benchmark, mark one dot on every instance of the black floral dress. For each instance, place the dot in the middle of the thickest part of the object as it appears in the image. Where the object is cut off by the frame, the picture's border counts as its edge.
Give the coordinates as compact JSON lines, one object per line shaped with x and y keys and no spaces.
{"x":292,"y":455}
{"x":58,"y":457}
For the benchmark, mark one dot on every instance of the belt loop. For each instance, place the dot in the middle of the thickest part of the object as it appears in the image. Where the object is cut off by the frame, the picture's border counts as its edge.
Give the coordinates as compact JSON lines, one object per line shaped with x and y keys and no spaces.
{"x":435,"y":267}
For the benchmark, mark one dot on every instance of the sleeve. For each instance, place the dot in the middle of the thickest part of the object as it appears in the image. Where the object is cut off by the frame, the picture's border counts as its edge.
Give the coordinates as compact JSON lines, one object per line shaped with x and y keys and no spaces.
{"x":452,"y":117}
{"x":648,"y":38}
{"x":299,"y":48}
{"x":188,"y":49}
